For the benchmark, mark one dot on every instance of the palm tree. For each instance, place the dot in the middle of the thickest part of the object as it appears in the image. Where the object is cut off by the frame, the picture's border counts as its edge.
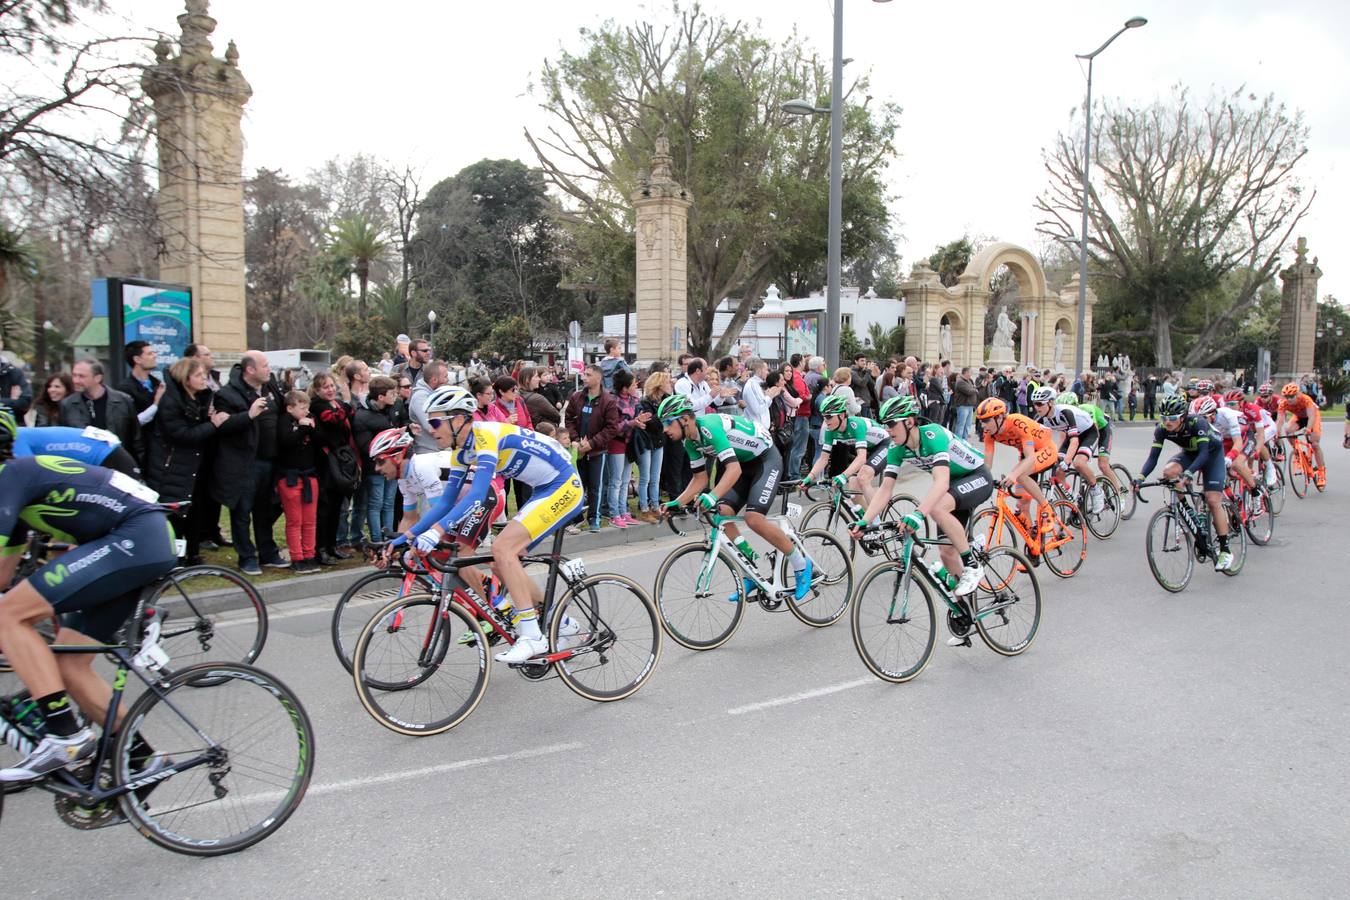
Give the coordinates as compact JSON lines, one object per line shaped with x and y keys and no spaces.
{"x":14,"y":254}
{"x":359,"y":241}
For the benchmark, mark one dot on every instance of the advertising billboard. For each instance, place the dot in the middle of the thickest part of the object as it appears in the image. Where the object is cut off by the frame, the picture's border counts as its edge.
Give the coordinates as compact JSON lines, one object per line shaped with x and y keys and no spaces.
{"x":160,"y":315}
{"x":803,"y":335}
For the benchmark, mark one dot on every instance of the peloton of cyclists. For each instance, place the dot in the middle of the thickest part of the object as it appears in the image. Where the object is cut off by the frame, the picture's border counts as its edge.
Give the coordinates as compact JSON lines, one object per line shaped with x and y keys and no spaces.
{"x":869,"y":440}
{"x":1079,"y":443}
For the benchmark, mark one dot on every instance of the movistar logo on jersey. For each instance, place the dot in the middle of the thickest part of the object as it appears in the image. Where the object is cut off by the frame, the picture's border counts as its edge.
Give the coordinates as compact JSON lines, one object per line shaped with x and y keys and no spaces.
{"x":56,"y":576}
{"x":101,"y":500}
{"x":61,"y":496}
{"x":60,"y":465}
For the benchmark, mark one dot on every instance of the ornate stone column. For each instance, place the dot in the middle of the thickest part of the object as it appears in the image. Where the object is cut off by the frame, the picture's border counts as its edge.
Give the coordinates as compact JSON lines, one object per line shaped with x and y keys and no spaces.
{"x":1298,"y":314}
{"x":199,"y":100}
{"x":661,"y":209}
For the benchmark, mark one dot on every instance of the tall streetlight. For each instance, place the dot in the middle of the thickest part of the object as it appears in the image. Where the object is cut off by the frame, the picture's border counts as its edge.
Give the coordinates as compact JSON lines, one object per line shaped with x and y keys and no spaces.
{"x":431,"y":317}
{"x":829,"y":332}
{"x":1135,"y":22}
{"x":267,"y":330}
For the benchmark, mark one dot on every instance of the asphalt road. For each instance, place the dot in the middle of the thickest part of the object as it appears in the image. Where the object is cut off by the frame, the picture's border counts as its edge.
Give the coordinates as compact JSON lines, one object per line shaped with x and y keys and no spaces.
{"x":1148,"y":745}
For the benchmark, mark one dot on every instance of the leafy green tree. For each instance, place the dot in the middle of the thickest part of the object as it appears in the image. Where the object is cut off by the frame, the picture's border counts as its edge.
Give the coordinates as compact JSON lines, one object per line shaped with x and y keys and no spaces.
{"x":758,"y":176}
{"x":510,"y":338}
{"x":467,"y":330}
{"x":363,"y":337}
{"x":886,"y":344}
{"x":359,"y":242}
{"x":951,"y":259}
{"x":282,"y":234}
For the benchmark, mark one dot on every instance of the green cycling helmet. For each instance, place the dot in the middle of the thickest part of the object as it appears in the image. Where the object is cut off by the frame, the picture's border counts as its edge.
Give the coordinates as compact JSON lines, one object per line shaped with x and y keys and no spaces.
{"x":1068,"y":398}
{"x":1173,"y":405}
{"x":897,"y":408}
{"x":834,"y":405}
{"x":673,"y":407}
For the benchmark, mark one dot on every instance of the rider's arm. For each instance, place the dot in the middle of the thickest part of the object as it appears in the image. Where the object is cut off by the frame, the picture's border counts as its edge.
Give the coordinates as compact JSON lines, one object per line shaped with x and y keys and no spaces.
{"x":858,"y":460}
{"x":1153,"y":453}
{"x":445,"y":506}
{"x":8,"y":566}
{"x":880,"y":498}
{"x":697,"y":482}
{"x":731,"y":473}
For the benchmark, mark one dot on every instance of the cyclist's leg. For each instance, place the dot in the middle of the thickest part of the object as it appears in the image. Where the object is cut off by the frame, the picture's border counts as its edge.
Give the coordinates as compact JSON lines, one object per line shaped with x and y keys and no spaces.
{"x":21,"y":608}
{"x":1104,"y":458}
{"x":763,"y":477}
{"x":952,"y":513}
{"x":867,"y":476}
{"x":1314,"y":436}
{"x":550,"y":507}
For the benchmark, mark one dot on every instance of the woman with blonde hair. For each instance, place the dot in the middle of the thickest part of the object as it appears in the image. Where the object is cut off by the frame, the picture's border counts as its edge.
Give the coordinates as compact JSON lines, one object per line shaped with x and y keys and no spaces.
{"x":649,"y":444}
{"x":842,"y":384}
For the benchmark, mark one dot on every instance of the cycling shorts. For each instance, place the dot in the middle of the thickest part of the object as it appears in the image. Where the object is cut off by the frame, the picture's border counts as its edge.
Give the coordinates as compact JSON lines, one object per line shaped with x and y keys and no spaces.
{"x":876,"y":457}
{"x":758,"y":485}
{"x":95,"y":586}
{"x":1312,"y":425}
{"x":1215,"y":471}
{"x":470,"y":530}
{"x":969,"y":491}
{"x":551,"y":506}
{"x":1087,"y":443}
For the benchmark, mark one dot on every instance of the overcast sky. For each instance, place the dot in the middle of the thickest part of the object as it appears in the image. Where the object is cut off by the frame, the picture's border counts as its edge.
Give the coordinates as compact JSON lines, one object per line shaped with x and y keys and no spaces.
{"x":984,"y":86}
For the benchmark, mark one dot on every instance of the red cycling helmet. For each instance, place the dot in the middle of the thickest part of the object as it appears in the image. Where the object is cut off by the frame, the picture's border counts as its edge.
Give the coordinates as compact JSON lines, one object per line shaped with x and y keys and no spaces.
{"x":1234,"y":396}
{"x":1266,"y":389}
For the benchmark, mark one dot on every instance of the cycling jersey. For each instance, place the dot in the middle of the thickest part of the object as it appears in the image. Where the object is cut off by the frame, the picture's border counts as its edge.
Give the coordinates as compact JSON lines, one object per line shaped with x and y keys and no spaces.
{"x":1228,"y":424}
{"x":1305,"y":412}
{"x":937,"y":446}
{"x":1067,"y":420}
{"x":1201,"y":449}
{"x":87,"y":445}
{"x":1098,"y":417}
{"x":861,"y":432}
{"x":424,"y":477}
{"x":1018,"y":431}
{"x":728,"y":439}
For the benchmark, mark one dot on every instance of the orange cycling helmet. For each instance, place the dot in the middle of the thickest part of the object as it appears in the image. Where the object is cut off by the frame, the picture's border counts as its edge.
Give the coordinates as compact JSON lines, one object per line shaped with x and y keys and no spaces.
{"x":990,"y":408}
{"x":1290,"y":390}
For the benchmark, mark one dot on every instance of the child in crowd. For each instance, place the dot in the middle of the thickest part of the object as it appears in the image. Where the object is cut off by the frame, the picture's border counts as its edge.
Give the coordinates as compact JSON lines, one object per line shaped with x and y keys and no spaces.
{"x":297,"y":484}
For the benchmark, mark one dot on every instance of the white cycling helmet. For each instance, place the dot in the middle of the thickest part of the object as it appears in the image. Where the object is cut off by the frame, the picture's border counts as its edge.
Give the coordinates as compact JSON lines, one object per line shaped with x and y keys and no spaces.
{"x":1043,"y":395}
{"x":1203,"y":405}
{"x":389,"y":442}
{"x":451,"y":399}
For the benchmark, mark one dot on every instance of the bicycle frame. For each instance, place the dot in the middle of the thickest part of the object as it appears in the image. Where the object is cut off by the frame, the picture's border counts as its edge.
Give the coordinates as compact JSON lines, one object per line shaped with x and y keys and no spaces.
{"x":913,"y":547}
{"x":739,"y":562}
{"x":1033,"y":542}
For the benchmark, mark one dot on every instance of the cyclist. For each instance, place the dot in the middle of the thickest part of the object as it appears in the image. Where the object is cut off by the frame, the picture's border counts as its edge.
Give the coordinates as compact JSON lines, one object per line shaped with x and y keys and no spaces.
{"x":421,"y":477}
{"x":869,"y":440}
{"x":488,"y":450}
{"x":1228,"y":423}
{"x":87,"y":445}
{"x":1304,"y":418}
{"x":1104,"y":435}
{"x":1201,"y":451}
{"x":124,"y":543}
{"x":1258,"y":430}
{"x":961,"y":482}
{"x":1079,"y":442}
{"x":750,"y":470}
{"x":1032,"y":441}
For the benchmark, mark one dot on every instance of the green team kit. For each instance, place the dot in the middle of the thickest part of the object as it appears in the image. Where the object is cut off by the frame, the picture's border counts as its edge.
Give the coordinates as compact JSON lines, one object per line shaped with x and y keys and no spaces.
{"x":733,"y":439}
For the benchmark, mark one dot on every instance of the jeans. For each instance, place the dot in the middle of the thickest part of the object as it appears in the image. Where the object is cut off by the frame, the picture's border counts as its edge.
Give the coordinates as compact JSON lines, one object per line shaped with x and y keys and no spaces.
{"x":592,"y":471}
{"x":964,"y":416}
{"x":380,"y":493}
{"x":254,"y":504}
{"x":352,"y":517}
{"x":799,"y":434}
{"x":649,"y":478}
{"x":616,"y":483}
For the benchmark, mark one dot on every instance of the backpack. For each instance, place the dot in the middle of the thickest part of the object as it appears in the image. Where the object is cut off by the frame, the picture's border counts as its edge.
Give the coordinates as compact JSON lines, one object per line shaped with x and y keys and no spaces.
{"x":344,"y":471}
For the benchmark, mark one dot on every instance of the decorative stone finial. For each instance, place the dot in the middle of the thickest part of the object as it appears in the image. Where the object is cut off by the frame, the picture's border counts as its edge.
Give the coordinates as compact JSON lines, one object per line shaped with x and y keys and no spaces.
{"x":661,"y":161}
{"x":232,"y":55}
{"x":1301,"y":251}
{"x":197,"y":26}
{"x":162,"y":49}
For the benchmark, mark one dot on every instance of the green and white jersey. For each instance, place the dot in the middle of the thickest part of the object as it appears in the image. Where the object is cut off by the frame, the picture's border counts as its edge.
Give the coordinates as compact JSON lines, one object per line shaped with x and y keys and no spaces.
{"x":937,"y":447}
{"x":1098,"y":417}
{"x":859,"y":432}
{"x":728,"y":438}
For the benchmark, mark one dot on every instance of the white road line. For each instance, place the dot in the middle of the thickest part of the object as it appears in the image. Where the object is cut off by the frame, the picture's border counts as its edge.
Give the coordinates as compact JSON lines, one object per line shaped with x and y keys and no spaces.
{"x":797,"y":698}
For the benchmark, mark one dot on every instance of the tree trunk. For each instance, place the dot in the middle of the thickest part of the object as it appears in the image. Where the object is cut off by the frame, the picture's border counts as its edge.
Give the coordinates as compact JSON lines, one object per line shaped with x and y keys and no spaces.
{"x":362,"y":279}
{"x":1162,"y":336}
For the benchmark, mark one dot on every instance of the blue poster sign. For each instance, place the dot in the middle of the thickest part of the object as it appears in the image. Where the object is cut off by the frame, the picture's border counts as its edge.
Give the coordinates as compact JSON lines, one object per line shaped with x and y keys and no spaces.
{"x":159,"y":315}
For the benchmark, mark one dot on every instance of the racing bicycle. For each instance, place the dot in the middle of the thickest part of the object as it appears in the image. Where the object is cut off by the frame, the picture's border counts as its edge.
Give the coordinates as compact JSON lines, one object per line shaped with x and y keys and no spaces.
{"x":1302,"y":469}
{"x":1063,"y":547}
{"x":1182,"y":534}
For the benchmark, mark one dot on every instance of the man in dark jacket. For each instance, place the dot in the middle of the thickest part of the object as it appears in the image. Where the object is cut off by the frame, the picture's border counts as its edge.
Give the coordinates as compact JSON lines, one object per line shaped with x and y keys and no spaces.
{"x":1150,"y":395}
{"x":253,"y":404}
{"x":864,"y":385}
{"x":15,"y":391}
{"x":143,"y":385}
{"x":1005,"y":387}
{"x":93,"y":403}
{"x":592,"y":422}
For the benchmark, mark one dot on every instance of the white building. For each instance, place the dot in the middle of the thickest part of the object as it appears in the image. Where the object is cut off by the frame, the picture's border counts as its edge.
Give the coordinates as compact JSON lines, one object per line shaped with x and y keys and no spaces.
{"x":780,"y":328}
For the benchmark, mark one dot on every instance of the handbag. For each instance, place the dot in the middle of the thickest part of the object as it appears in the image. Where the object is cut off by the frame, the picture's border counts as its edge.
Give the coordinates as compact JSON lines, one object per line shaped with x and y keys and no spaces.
{"x":344,"y":470}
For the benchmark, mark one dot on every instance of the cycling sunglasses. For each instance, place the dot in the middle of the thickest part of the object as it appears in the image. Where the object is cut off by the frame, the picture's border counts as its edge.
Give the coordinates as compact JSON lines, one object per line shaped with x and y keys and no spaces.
{"x":670,"y":420}
{"x":1172,"y":418}
{"x":1040,"y":403}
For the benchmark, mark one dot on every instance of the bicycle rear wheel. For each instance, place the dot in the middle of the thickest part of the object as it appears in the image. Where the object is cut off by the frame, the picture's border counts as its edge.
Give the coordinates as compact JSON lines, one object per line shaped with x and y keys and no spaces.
{"x":822,"y":516}
{"x":1066,"y":559}
{"x":1171,"y":550}
{"x":1128,"y":501}
{"x":1102,"y":524}
{"x":619,"y":642}
{"x":359,"y":602}
{"x":899,"y":505}
{"x":1007,"y":603}
{"x":259,"y":746}
{"x":1298,"y":476}
{"x":1277,"y":496}
{"x":699,"y":613}
{"x":1237,"y":539}
{"x":412,"y":674}
{"x":210,"y":612}
{"x":831,"y":579}
{"x":1260,"y":524}
{"x":893,"y":629}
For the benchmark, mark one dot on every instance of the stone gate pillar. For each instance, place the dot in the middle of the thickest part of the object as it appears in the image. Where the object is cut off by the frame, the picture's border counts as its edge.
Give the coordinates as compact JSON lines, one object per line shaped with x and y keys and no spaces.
{"x":662,"y":206}
{"x":1298,"y":314}
{"x":199,"y":100}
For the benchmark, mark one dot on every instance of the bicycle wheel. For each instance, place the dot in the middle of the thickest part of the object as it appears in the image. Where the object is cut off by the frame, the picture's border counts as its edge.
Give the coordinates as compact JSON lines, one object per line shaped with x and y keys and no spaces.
{"x":901,"y":504}
{"x":1102,"y":524}
{"x":258,"y":745}
{"x":1066,"y":559}
{"x":619,"y":642}
{"x":1298,"y":475}
{"x":996,"y":534}
{"x":893,"y":629}
{"x":831,"y":579}
{"x":1171,"y":550}
{"x":1260,"y":523}
{"x":1277,"y":496}
{"x":1128,"y":501}
{"x":696,"y":608}
{"x":412,"y":674}
{"x":1237,"y":540}
{"x":821,"y":516}
{"x":360,"y":601}
{"x":209,"y":612}
{"x":1007,"y":603}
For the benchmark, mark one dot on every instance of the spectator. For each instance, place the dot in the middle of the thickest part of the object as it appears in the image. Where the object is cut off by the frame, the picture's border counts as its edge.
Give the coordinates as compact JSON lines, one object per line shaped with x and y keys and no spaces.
{"x":47,"y":408}
{"x":375,"y":415}
{"x":1108,"y":395}
{"x":203,"y":352}
{"x":1150,"y":391}
{"x":386,"y":363}
{"x":592,"y":422}
{"x":864,"y":385}
{"x":482,"y":391}
{"x":1134,"y":396}
{"x":15,"y":391}
{"x":692,"y":384}
{"x":183,"y":428}
{"x":333,"y":429}
{"x":756,"y":402}
{"x":613,"y":362}
{"x":649,"y":445}
{"x":102,"y":407}
{"x":726,"y":389}
{"x":419,"y":357}
{"x":843,"y":386}
{"x":933,"y":402}
{"x":207,"y":507}
{"x":512,"y":409}
{"x":780,"y":414}
{"x":248,"y":402}
{"x":541,"y":410}
{"x":399,"y":412}
{"x":352,"y":516}
{"x":886,"y":388}
{"x":798,"y":398}
{"x":618,"y":469}
{"x":144,"y":387}
{"x":550,"y":391}
{"x":401,"y":349}
{"x":964,"y":396}
{"x":297,"y":481}
{"x":433,"y":376}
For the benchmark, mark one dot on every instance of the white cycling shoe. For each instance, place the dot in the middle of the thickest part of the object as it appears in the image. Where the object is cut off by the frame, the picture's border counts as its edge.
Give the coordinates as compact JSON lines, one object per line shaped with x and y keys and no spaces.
{"x":523,"y":650}
{"x":569,"y":634}
{"x":970,"y":579}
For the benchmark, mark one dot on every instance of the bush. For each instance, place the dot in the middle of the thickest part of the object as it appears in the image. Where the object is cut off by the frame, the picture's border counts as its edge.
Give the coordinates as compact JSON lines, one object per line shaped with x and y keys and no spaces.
{"x":510,"y":339}
{"x":364,"y":339}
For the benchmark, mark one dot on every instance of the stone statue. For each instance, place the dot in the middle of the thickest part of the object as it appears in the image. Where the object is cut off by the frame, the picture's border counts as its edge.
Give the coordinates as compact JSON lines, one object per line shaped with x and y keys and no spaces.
{"x":1002,"y":345}
{"x":1125,"y":363}
{"x":1059,"y":348}
{"x":945,"y":342}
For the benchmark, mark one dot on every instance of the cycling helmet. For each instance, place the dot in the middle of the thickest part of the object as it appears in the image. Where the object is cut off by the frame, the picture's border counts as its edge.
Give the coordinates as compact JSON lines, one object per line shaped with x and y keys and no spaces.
{"x":1042,"y":395}
{"x":1290,"y":390}
{"x":673,"y":407}
{"x":1203,"y":406}
{"x":991,"y":408}
{"x":451,"y":399}
{"x":1234,"y":395}
{"x":834,"y":405}
{"x":1205,"y":386}
{"x":390,"y":442}
{"x":1266,"y":389}
{"x":897,"y":408}
{"x":9,"y":433}
{"x":1172,"y":405}
{"x":1068,"y":398}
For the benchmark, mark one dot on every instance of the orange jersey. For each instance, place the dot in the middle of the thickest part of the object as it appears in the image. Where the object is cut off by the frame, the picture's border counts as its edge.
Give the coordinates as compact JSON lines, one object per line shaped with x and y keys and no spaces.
{"x":1019,"y":430}
{"x":1301,"y":406}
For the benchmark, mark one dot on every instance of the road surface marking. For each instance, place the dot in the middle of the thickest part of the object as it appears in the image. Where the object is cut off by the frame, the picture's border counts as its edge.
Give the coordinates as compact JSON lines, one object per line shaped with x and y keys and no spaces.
{"x":797,"y":698}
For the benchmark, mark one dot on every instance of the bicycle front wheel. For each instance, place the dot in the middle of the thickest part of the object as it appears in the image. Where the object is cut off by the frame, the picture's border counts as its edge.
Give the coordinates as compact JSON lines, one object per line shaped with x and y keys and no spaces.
{"x":359,"y":602}
{"x":1007,"y":603}
{"x":1260,"y":524}
{"x":611,"y":627}
{"x":1298,"y":475}
{"x":1065,"y":559}
{"x":1102,"y":524}
{"x":1277,"y":492}
{"x":996,"y":533}
{"x":412,"y":673}
{"x":210,"y":612}
{"x":894,"y":625}
{"x":700,"y":601}
{"x":831,"y":578}
{"x":1129,"y":502}
{"x":822,"y":516}
{"x":1171,"y":550}
{"x":256,"y":747}
{"x":899,"y":505}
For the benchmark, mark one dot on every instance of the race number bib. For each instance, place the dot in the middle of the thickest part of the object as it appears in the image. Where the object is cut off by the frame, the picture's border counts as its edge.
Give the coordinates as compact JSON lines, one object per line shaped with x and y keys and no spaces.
{"x":129,"y":485}
{"x":100,"y":434}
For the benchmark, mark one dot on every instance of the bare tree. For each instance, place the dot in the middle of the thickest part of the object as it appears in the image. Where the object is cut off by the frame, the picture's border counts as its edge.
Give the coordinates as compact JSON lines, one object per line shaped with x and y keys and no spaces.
{"x":1181,"y":197}
{"x":403,"y":192}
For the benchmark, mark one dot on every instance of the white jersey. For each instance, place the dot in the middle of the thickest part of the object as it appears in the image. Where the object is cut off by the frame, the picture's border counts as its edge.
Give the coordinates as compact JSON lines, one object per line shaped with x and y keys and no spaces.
{"x":1228,"y":423}
{"x":423,"y":480}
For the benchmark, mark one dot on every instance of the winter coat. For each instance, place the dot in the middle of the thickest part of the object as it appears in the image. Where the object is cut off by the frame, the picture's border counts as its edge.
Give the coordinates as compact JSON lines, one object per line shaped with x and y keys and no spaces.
{"x":603,"y":424}
{"x":122,"y":421}
{"x":523,"y":419}
{"x":541,"y":410}
{"x":366,"y":423}
{"x":237,"y":449}
{"x":180,"y":434}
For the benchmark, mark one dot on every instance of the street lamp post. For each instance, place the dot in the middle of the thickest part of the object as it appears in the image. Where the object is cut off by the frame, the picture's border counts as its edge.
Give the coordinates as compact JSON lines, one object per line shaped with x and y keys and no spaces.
{"x":1079,"y":356}
{"x":267,"y":331}
{"x":431,"y":317}
{"x":829,"y":332}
